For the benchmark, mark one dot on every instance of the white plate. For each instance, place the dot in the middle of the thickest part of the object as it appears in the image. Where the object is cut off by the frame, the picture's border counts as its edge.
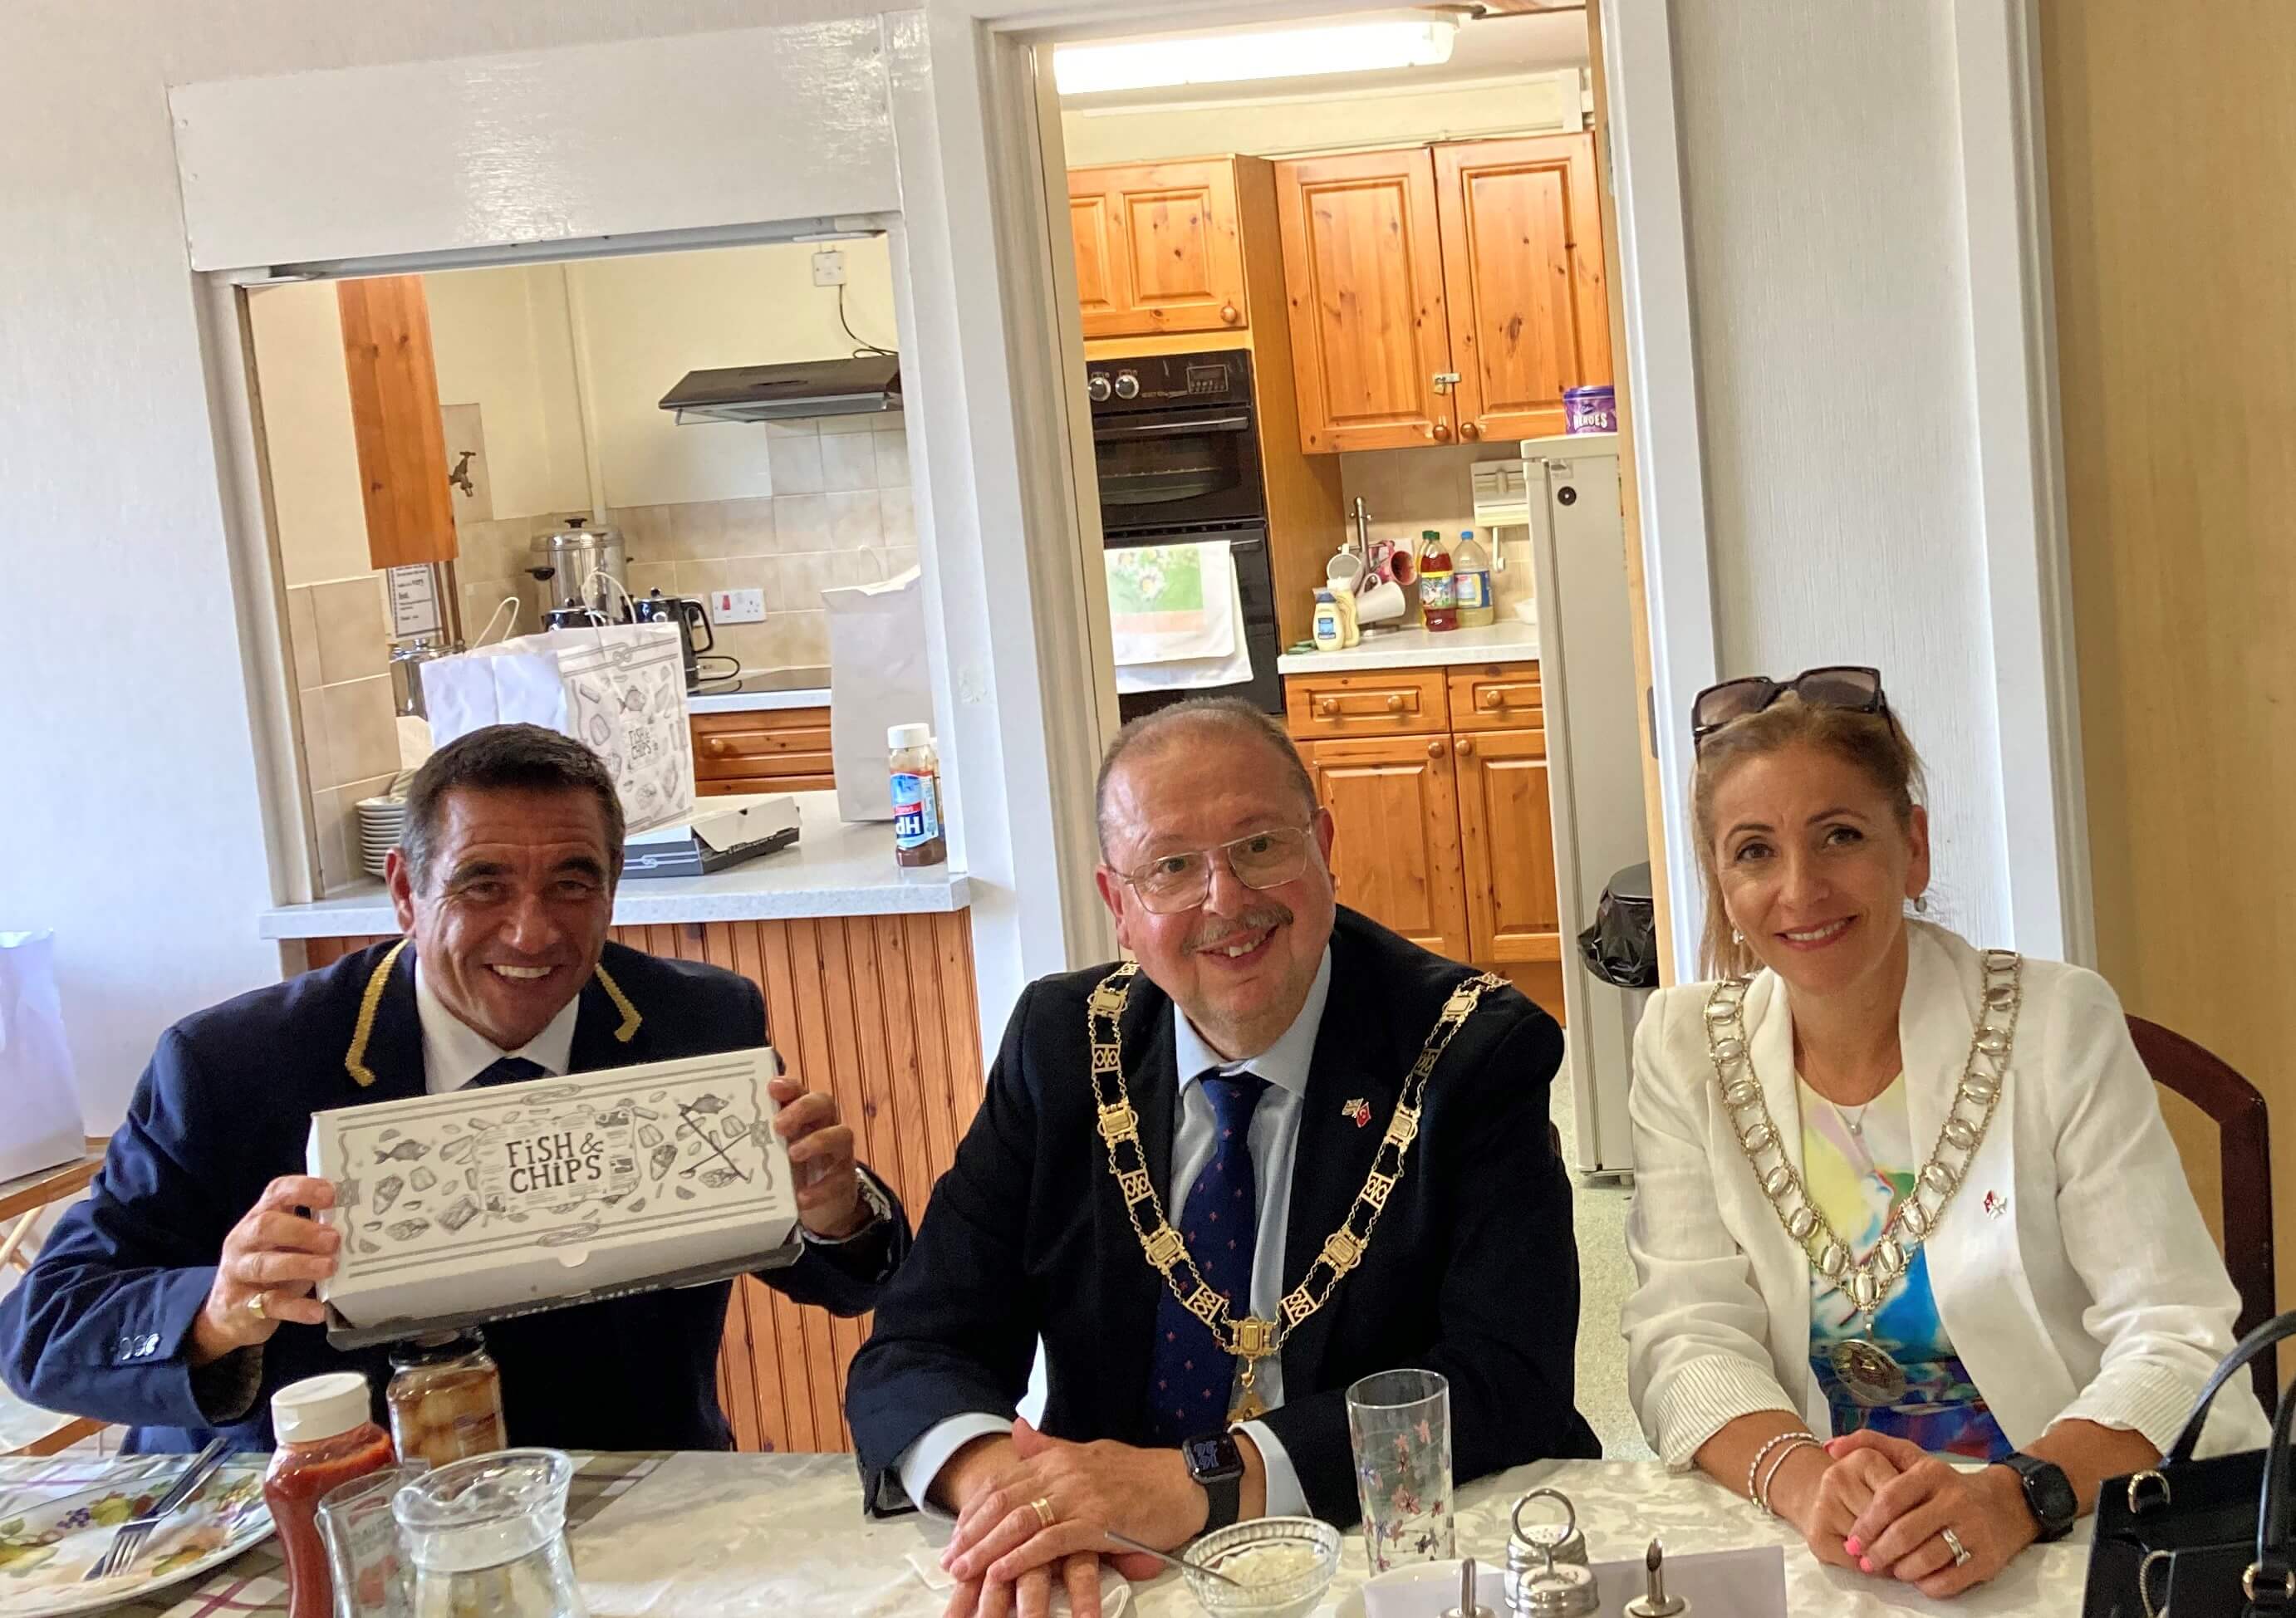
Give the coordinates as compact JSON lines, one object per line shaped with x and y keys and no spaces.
{"x":38,"y":1499}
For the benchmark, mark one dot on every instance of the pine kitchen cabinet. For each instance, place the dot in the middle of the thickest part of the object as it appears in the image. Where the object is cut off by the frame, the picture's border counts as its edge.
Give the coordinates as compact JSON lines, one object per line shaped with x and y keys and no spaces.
{"x":1159,"y":248}
{"x":401,"y":438}
{"x":1442,"y":294}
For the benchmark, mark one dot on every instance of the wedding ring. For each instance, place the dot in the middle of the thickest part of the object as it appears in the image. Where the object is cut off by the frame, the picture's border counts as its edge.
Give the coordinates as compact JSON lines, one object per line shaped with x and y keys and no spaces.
{"x":1042,"y":1507}
{"x":1953,"y":1543}
{"x":256,"y":1306}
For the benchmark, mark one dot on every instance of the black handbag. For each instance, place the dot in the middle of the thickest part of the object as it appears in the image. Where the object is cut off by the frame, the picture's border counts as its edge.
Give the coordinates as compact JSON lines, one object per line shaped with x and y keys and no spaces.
{"x":2201,"y":1539}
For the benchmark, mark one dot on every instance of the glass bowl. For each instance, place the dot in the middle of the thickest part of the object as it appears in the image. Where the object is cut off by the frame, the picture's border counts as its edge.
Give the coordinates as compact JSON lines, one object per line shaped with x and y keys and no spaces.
{"x":1286,"y":1563}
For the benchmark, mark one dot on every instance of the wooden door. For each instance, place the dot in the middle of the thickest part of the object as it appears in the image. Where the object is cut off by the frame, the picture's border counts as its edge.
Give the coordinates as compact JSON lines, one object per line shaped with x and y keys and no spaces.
{"x":401,"y":438}
{"x":1156,"y":248}
{"x":1363,"y":283}
{"x":1522,"y":278}
{"x":1396,"y":856}
{"x":1507,"y":835}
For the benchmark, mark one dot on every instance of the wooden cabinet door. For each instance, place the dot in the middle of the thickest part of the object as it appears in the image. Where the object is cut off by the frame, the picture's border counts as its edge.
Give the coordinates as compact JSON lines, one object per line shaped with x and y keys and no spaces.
{"x":1156,"y":248}
{"x":400,"y":435}
{"x":1507,"y":833}
{"x":1396,"y":856}
{"x":1363,"y":283}
{"x":1523,"y":263}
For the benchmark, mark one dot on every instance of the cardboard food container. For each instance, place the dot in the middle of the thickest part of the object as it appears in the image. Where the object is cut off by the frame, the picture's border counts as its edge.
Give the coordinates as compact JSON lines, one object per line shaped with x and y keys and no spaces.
{"x":474,"y":1206}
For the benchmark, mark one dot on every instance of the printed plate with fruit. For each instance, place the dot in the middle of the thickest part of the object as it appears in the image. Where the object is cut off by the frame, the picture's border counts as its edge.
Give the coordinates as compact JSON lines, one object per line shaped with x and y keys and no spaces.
{"x":58,"y":1517}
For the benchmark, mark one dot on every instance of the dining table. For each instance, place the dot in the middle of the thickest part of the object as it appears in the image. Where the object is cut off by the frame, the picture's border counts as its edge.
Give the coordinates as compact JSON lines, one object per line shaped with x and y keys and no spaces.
{"x":680,"y":1535}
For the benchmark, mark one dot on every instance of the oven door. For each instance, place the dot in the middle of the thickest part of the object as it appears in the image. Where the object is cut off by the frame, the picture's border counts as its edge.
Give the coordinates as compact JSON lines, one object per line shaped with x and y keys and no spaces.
{"x":1177,"y":469}
{"x":1254,"y":581}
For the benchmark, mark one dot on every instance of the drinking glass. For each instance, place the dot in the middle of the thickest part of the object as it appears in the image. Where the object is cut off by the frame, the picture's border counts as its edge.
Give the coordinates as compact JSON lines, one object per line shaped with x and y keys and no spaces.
{"x":487,"y":1538}
{"x":1400,"y":1427}
{"x":364,"y":1553}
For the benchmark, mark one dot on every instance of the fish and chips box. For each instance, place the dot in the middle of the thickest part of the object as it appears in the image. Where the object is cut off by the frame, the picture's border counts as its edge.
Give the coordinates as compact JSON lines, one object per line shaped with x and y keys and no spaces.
{"x":487,"y":1203}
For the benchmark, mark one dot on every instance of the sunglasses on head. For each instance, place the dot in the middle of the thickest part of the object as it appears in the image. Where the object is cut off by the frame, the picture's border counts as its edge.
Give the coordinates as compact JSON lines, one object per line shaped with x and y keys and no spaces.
{"x":1856,"y":691}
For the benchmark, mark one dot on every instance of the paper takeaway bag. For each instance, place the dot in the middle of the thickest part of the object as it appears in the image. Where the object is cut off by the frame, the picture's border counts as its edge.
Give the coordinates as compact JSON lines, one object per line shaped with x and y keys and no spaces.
{"x":877,"y":679}
{"x":39,"y":1110}
{"x":619,"y":689}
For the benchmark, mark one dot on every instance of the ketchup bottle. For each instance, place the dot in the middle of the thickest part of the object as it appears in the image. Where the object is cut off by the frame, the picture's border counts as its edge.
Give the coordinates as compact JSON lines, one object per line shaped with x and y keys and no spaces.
{"x":327,"y":1437}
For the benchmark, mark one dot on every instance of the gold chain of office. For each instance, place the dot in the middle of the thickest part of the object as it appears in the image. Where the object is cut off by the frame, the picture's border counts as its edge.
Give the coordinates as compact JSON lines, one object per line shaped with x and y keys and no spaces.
{"x":1251,"y":1339}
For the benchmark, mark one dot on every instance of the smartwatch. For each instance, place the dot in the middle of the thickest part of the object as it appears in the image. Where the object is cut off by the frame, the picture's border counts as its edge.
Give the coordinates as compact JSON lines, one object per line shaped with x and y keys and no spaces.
{"x":1216,"y":1464}
{"x":2048,"y":1496}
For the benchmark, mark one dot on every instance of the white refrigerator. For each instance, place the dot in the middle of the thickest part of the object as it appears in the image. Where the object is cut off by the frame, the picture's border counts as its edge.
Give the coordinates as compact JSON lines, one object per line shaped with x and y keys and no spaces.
{"x":1565,"y":490}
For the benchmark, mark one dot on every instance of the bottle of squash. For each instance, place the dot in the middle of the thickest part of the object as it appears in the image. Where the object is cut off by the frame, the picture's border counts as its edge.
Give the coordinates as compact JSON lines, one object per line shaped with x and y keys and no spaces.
{"x":1471,"y":582}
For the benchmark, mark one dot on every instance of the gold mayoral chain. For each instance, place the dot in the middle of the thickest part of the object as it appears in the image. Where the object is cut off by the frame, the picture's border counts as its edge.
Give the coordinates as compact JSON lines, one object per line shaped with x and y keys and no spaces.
{"x":1251,"y":1339}
{"x":1867,"y":1370}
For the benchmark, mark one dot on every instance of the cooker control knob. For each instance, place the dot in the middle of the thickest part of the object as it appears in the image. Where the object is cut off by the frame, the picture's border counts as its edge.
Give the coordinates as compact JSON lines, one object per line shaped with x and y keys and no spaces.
{"x":1097,"y":387}
{"x":1128,"y":385}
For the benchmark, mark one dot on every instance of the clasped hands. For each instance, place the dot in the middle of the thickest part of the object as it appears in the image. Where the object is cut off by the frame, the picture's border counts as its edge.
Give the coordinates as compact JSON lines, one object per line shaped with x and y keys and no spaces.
{"x":1006,"y":1551}
{"x":1882,"y":1506}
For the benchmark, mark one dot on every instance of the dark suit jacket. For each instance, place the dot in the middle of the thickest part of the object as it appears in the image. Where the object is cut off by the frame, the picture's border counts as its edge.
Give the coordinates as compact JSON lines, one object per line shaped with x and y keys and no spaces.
{"x":1472,"y":1272}
{"x":101,"y":1326}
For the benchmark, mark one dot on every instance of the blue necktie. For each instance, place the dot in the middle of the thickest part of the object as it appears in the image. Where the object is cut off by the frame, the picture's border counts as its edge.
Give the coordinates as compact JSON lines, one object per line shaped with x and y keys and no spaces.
{"x":1190,"y":1375}
{"x":507,"y":1070}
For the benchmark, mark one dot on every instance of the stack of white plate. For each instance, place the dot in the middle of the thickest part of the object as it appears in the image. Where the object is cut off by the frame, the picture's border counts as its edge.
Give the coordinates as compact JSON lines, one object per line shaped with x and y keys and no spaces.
{"x":380,"y":822}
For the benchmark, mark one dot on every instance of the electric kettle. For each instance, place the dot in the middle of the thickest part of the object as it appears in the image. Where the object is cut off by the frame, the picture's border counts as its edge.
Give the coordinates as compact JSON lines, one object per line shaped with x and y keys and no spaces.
{"x":692,"y":618}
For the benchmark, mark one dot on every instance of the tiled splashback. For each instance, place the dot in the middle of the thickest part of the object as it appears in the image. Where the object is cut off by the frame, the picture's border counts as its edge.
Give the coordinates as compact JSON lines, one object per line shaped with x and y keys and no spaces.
{"x":350,"y":739}
{"x":1407,"y":490}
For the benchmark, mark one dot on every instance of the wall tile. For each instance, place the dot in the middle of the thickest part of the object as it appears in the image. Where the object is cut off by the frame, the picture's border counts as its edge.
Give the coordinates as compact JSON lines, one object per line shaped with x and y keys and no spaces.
{"x":482,"y":599}
{"x":361,"y":735}
{"x":795,"y":465}
{"x":354,"y":640}
{"x":855,"y":520}
{"x":336,"y":833}
{"x":748,"y":527}
{"x":892,"y":460}
{"x":803,"y":427}
{"x":900,"y":514}
{"x":318,"y":757}
{"x":840,"y":427}
{"x":727,"y":573}
{"x":493,"y":550}
{"x":303,"y":638}
{"x":888,"y":421}
{"x":800,"y":523}
{"x":644,"y":577}
{"x":803,"y":639}
{"x":754,"y":644}
{"x":848,"y":461}
{"x":899,"y":559}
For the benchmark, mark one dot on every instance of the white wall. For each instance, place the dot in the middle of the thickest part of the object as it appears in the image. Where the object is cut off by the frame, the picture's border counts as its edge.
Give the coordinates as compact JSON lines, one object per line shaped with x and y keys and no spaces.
{"x":297,"y":331}
{"x":501,"y":341}
{"x":1821,"y":170}
{"x":109,"y":475}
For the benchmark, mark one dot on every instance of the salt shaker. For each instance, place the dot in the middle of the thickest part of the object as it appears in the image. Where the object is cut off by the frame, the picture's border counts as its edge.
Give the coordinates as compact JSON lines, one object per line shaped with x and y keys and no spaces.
{"x":1546,"y":1571}
{"x":1563,"y":1538}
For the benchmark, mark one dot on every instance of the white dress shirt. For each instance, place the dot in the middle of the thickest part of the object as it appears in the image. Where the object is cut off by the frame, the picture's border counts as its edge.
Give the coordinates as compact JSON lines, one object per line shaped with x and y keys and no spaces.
{"x":1274,"y":1139}
{"x":453,"y":1053}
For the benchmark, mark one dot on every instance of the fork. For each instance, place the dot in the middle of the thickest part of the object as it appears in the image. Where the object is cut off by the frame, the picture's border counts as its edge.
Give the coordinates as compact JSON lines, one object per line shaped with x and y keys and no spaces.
{"x":128,"y":1544}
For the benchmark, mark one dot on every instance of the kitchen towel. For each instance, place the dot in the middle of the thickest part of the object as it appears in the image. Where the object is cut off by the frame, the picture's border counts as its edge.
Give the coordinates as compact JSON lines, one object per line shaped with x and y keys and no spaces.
{"x":1172,"y":603}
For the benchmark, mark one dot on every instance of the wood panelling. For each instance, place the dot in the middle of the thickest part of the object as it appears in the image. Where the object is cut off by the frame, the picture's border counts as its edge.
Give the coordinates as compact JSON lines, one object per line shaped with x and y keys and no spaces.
{"x":401,"y":437}
{"x":1382,"y":702}
{"x":1158,"y":249}
{"x":2176,"y":340}
{"x":1363,"y":261}
{"x":881,"y":1012}
{"x":1523,"y":277}
{"x":1397,"y":859}
{"x":1507,"y":831}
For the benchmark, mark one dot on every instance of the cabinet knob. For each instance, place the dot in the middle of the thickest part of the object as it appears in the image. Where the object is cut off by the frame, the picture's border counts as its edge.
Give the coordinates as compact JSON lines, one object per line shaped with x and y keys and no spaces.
{"x":1490,"y":700}
{"x":1466,"y":747}
{"x":1327,"y":705}
{"x":1435,"y":749}
{"x":717,"y":746}
{"x":1395,"y":705}
{"x":1441,"y":432}
{"x":1470,"y":430}
{"x":1230,"y":313}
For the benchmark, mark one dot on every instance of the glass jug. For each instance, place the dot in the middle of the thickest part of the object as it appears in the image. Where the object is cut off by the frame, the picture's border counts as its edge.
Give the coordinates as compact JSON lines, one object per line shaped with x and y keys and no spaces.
{"x":487,"y":1538}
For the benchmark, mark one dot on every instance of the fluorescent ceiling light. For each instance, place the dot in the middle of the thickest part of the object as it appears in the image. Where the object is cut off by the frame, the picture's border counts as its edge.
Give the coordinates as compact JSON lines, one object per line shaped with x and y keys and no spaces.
{"x":1212,"y":58}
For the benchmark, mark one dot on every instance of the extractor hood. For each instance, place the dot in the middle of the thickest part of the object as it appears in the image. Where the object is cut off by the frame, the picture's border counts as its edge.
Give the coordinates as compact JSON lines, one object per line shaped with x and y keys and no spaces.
{"x":853,"y":387}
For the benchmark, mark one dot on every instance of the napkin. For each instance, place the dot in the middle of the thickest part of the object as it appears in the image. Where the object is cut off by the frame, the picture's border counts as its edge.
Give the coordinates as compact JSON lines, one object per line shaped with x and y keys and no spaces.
{"x":1115,"y":1592}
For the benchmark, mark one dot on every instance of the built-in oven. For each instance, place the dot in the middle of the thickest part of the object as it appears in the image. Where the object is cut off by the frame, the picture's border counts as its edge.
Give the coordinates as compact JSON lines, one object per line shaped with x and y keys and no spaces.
{"x":1176,"y":443}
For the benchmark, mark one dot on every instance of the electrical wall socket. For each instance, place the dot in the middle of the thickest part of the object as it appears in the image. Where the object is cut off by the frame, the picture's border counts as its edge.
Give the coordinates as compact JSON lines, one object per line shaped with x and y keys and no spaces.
{"x":738,"y":607}
{"x":829,"y":267}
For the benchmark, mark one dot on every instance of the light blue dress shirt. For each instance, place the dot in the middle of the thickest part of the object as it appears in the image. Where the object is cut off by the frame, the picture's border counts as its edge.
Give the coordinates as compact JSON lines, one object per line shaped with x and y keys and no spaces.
{"x":1273,"y":1141}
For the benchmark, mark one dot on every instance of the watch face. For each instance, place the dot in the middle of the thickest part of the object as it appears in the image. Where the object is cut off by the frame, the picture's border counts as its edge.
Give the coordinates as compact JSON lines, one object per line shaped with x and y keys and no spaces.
{"x":1214,"y":1457}
{"x":2049,"y":1492}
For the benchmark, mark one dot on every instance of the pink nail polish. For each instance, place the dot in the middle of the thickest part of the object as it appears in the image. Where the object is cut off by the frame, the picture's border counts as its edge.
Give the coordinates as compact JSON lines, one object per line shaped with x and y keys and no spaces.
{"x":1854,"y":1546}
{"x":1864,"y":1566}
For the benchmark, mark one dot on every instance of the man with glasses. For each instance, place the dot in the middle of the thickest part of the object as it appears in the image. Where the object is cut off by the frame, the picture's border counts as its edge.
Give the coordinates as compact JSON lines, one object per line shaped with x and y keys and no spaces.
{"x":1277,"y":1150}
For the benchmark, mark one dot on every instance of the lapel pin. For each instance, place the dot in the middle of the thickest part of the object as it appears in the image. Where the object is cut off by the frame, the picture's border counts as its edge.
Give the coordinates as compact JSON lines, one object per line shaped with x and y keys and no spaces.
{"x":1358,"y":1112}
{"x":1996,"y":1204}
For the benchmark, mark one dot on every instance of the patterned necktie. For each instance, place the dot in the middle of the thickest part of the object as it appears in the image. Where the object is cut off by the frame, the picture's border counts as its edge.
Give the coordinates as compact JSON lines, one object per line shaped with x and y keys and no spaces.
{"x":507,"y":1070}
{"x":1190,"y":1376}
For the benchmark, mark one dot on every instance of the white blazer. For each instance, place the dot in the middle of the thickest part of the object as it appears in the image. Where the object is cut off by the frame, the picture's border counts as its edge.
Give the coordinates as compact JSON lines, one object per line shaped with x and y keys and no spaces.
{"x":2090,"y":1289}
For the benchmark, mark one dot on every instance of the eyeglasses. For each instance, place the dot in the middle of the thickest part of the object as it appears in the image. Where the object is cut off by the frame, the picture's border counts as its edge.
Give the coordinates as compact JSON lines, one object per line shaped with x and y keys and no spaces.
{"x":1856,"y":691}
{"x":1178,"y":881}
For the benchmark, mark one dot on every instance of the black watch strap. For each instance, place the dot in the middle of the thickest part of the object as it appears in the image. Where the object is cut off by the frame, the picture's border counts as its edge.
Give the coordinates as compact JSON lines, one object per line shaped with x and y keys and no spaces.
{"x":2048,"y":1494}
{"x":1226,"y":1497}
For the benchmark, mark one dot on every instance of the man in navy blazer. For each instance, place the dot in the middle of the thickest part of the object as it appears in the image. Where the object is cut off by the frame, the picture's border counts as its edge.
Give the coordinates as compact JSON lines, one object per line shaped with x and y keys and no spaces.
{"x":1262,"y":1050}
{"x":178,"y":1296}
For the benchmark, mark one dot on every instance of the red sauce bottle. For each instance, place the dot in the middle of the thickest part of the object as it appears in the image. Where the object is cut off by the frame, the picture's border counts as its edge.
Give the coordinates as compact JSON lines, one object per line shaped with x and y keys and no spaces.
{"x":327,"y":1436}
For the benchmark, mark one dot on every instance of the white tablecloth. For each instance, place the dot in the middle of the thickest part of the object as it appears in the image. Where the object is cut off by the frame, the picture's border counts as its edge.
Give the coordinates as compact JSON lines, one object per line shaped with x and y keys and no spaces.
{"x":744,"y":1534}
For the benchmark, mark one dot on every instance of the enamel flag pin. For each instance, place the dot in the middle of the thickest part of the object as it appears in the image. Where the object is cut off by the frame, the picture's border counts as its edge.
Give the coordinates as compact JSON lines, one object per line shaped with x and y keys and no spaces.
{"x":1358,"y":1112}
{"x":1995,"y":1203}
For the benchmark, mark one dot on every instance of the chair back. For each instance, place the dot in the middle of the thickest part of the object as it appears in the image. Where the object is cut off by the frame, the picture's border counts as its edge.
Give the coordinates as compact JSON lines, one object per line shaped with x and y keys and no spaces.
{"x":2236,"y":1107}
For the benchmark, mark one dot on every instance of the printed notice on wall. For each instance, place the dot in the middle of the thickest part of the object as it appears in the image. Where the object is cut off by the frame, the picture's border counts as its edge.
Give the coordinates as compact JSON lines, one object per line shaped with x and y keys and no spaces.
{"x":414,"y":601}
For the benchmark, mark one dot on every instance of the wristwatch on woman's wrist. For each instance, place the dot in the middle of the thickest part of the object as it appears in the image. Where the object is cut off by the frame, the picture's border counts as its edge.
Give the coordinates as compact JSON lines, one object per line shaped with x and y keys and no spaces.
{"x":2048,"y":1493}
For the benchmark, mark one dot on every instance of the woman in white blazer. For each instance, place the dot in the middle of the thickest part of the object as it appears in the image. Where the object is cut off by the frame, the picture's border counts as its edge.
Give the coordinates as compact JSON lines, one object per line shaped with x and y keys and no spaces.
{"x":1895,"y":1195}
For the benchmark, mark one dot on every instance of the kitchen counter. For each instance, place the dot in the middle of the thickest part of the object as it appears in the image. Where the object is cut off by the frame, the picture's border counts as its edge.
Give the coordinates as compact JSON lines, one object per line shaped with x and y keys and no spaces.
{"x":764,"y":691}
{"x":834,"y":870}
{"x":1510,"y":640}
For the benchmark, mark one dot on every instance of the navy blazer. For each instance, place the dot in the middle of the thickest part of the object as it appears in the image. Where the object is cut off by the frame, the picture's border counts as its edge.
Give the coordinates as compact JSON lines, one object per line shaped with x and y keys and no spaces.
{"x":101,"y":1327}
{"x":1473,"y":1271}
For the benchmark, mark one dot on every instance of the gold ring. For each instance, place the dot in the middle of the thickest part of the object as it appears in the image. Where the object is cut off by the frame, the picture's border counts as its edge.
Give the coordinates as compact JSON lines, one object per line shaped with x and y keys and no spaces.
{"x":1953,"y":1543}
{"x":1042,"y":1507}
{"x":256,"y":1306}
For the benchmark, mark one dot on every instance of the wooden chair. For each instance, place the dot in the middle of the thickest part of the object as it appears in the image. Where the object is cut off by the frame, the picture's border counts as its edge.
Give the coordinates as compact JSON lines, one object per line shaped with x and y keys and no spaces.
{"x":2237,"y":1109}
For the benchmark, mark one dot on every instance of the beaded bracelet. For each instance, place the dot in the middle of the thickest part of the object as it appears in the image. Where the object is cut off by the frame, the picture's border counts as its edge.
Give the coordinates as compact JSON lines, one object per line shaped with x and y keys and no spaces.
{"x":1802,"y":1441}
{"x":1754,"y":1466}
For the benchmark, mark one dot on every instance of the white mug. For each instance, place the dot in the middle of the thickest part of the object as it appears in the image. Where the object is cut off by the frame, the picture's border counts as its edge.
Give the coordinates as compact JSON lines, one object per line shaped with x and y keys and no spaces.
{"x":1383,"y":603}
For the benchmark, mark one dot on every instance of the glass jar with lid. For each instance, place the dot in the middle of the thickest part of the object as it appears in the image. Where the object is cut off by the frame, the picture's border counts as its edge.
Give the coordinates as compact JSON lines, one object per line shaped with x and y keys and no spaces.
{"x":445,"y":1398}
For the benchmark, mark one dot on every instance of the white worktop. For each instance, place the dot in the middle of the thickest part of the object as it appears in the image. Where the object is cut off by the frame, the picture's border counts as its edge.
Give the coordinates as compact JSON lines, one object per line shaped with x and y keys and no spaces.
{"x":834,"y":870}
{"x":1503,"y":642}
{"x":756,"y":702}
